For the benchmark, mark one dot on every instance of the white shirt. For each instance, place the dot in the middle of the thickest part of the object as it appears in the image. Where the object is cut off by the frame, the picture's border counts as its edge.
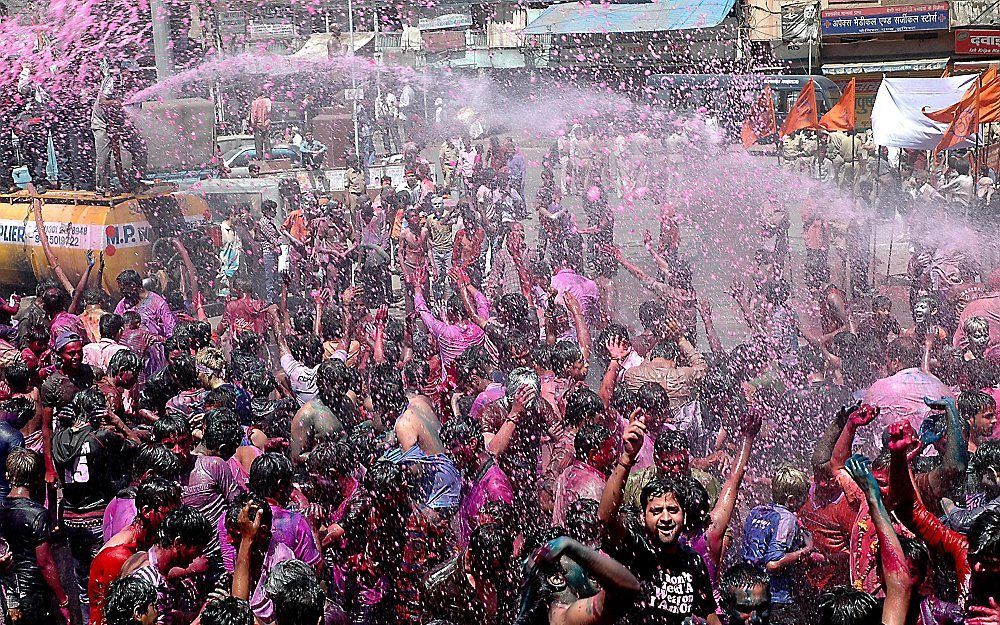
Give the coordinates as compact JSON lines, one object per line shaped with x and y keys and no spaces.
{"x":99,"y":354}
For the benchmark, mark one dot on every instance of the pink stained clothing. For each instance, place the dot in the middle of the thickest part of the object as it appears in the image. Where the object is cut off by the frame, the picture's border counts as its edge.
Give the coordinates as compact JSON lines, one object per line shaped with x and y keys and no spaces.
{"x":260,"y":113}
{"x":155,"y":314}
{"x":209,"y":488}
{"x":578,"y":481}
{"x":260,"y":604}
{"x":453,"y":339}
{"x":491,"y":393}
{"x":65,"y":322}
{"x":99,"y":354}
{"x":583,"y":289}
{"x":117,"y":516}
{"x":240,"y":474}
{"x":901,"y":396}
{"x":987,"y":307}
{"x":290,"y":529}
{"x":492,"y":484}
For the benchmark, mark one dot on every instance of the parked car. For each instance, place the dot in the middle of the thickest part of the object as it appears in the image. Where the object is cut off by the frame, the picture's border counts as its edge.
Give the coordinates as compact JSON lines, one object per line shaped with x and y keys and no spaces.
{"x":238,"y":159}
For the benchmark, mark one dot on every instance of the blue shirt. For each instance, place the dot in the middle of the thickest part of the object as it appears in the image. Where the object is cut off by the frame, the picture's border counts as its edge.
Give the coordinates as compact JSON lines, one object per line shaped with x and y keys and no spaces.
{"x":770,"y":532}
{"x":9,"y":439}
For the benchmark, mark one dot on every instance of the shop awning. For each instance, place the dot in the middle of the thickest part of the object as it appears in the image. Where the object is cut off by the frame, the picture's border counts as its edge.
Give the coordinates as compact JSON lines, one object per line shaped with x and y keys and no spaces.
{"x":885,"y":67}
{"x":662,"y":15}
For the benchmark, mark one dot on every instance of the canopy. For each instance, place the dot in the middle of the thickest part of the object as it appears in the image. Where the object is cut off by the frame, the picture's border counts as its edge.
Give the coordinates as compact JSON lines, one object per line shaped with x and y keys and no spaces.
{"x":885,"y":67}
{"x":597,"y":18}
{"x":317,"y":46}
{"x":897,"y":118}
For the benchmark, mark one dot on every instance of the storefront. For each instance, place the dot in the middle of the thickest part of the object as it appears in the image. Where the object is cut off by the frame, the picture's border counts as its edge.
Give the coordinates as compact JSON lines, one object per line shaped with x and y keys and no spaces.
{"x":869,"y":43}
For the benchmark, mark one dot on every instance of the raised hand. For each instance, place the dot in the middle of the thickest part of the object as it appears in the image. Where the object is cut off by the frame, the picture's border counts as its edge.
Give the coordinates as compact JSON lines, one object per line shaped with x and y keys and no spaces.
{"x":618,"y":348}
{"x":524,"y":396}
{"x":860,"y":470}
{"x":903,"y":438}
{"x":633,"y":436}
{"x":984,"y":614}
{"x":941,"y":403}
{"x":864,"y":415}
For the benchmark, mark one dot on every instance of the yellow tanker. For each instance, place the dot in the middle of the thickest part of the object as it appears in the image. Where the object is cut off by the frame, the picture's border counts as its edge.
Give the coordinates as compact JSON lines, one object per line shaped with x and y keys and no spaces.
{"x":124,"y":227}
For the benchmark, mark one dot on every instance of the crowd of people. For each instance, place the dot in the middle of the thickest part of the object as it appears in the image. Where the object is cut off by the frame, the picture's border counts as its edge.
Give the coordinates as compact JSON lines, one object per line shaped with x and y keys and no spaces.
{"x":490,"y":443}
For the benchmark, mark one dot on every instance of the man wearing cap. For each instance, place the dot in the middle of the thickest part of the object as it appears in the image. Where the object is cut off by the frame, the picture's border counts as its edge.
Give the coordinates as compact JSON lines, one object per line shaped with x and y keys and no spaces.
{"x":69,"y":376}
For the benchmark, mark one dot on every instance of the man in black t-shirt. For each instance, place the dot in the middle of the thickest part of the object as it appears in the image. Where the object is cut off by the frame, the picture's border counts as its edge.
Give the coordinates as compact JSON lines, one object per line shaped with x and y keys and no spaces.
{"x":83,"y":455}
{"x":674,"y":580}
{"x":33,"y":591}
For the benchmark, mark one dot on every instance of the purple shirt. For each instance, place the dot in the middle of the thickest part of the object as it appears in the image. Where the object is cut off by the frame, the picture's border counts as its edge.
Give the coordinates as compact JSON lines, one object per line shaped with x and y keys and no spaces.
{"x":117,"y":516}
{"x":492,"y":485}
{"x":155,"y":313}
{"x":492,"y":393}
{"x":452,"y":339}
{"x":578,"y":481}
{"x":289,"y":529}
{"x":209,"y":488}
{"x":583,"y":289}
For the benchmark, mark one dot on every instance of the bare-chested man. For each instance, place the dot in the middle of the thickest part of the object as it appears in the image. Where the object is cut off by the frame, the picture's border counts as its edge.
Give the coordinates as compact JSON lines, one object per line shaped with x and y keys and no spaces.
{"x":414,"y":255}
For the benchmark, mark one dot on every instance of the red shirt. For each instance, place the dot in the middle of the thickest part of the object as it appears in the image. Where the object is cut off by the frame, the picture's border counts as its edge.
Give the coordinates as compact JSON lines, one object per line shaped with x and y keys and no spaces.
{"x":106,"y":568}
{"x":244,"y":315}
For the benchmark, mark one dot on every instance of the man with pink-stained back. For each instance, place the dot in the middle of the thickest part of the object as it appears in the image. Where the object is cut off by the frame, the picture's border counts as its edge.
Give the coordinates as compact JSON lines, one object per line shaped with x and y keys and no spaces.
{"x":260,"y":123}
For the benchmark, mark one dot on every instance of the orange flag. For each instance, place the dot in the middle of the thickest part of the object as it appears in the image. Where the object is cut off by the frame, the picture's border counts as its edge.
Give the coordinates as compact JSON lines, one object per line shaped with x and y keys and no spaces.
{"x":841,"y":116}
{"x":803,"y":114}
{"x":965,"y":121}
{"x":760,"y":120}
{"x":989,"y":101}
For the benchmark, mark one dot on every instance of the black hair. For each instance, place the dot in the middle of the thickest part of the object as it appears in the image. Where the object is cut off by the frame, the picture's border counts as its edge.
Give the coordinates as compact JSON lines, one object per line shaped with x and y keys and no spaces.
{"x":227,"y":611}
{"x":128,"y":596}
{"x":157,"y":492}
{"x":90,"y":404}
{"x":385,"y":478}
{"x":589,"y":439}
{"x":652,"y":313}
{"x":54,"y":299}
{"x":665,"y":486}
{"x":259,"y":383}
{"x":333,"y":381}
{"x":671,"y":441}
{"x":124,"y":360}
{"x":741,"y":575}
{"x":201,"y":334}
{"x":582,"y":406}
{"x":986,"y":457}
{"x":666,"y":349}
{"x":110,"y":325}
{"x":844,"y":605}
{"x":184,"y":370}
{"x":130,"y":277}
{"x":221,"y":397}
{"x":984,"y":535}
{"x":271,"y":476}
{"x":491,"y":547}
{"x":612,"y":331}
{"x":297,"y":595}
{"x":255,"y":500}
{"x":170,"y":426}
{"x":307,"y":349}
{"x":905,"y":351}
{"x":157,"y":461}
{"x":652,"y":397}
{"x":972,"y":402}
{"x":332,"y":457}
{"x":17,"y":411}
{"x":460,"y":431}
{"x":475,"y":360}
{"x":222,"y":436}
{"x":564,"y":355}
{"x":187,"y":525}
{"x":18,"y":375}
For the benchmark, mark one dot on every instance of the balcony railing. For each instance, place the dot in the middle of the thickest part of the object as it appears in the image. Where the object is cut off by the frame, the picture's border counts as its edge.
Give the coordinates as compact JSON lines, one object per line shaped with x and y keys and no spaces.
{"x":388,"y":41}
{"x":476,"y":40}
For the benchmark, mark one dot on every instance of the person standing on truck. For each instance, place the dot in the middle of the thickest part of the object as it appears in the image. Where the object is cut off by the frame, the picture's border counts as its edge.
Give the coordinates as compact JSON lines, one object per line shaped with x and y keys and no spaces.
{"x":114,"y":134}
{"x":260,"y":124}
